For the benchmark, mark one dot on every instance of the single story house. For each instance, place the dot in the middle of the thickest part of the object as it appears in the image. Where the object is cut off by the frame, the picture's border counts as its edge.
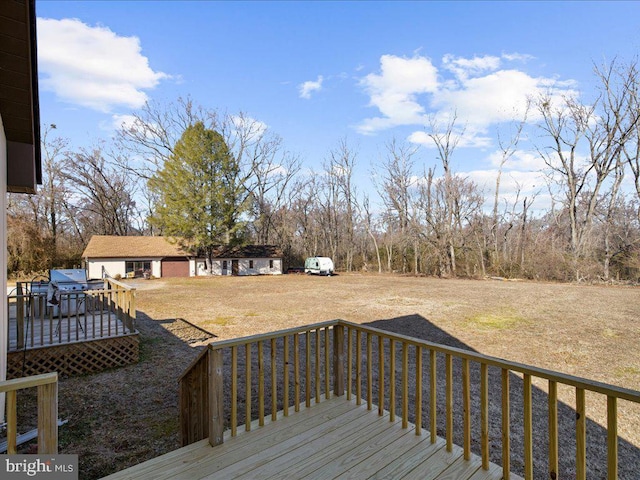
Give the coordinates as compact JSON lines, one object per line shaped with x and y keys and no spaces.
{"x":137,"y":256}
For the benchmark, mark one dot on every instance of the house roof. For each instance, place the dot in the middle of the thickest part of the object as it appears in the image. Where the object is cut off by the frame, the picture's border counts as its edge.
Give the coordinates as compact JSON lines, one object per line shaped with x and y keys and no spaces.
{"x":19,"y":105}
{"x":111,"y":246}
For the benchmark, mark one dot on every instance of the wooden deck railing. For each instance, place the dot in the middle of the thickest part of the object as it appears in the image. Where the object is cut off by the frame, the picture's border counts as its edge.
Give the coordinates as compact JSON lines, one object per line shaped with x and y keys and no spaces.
{"x":253,"y":378}
{"x":79,"y":315}
{"x":47,"y":385}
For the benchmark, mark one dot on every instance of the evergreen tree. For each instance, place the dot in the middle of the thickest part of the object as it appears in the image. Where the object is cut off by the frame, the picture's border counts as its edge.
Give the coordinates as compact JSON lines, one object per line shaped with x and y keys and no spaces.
{"x":199,"y":196}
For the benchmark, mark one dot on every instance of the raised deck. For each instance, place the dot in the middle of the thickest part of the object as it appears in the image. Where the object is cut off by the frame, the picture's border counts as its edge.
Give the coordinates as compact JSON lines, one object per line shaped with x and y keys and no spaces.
{"x":332,"y":439}
{"x":87,"y":332}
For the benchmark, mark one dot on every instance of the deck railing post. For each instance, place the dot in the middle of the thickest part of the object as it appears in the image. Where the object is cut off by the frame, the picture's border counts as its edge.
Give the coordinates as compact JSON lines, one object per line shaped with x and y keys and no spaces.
{"x":48,"y":418}
{"x":20,"y":316}
{"x":338,"y":360}
{"x":47,"y":406}
{"x":216,"y":398}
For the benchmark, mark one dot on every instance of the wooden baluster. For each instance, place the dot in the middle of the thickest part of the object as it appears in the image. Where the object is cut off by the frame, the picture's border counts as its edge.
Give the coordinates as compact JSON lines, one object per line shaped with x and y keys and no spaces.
{"x":358,"y":367}
{"x":234,"y":391}
{"x":349,"y":363}
{"x":338,"y":360}
{"x":369,"y":373}
{"x":381,"y":389}
{"x":528,"y":429}
{"x":553,"y":429}
{"x":581,"y":435}
{"x":612,"y":437}
{"x":433,"y":401}
{"x":418,"y":399}
{"x":274,"y":382}
{"x":296,"y":371}
{"x":484,"y":414}
{"x":248,"y":388}
{"x":466,"y":408}
{"x":506,"y":426}
{"x":317,"y":369}
{"x":449,"y":401}
{"x":285,"y":377}
{"x":19,"y":316}
{"x":392,"y":380}
{"x":260,"y":384}
{"x":307,"y":373}
{"x":35,"y":300}
{"x":327,"y":386}
{"x":405,"y":385}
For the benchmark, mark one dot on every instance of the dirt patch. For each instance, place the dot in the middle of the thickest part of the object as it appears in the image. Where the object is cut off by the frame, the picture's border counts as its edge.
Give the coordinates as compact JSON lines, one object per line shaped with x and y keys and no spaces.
{"x":125,"y":416}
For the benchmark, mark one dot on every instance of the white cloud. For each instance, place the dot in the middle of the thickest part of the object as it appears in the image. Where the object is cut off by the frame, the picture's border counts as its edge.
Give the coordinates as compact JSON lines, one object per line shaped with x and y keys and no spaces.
{"x":519,"y":57}
{"x":481,"y":93}
{"x":310,"y":86}
{"x":466,"y":67}
{"x":93,"y":66}
{"x":520,"y":160}
{"x":123,"y":121}
{"x":247,"y":127}
{"x":394,"y":92}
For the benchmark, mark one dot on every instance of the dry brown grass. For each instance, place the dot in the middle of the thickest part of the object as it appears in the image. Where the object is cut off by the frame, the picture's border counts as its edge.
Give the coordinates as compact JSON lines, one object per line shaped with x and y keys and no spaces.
{"x":575,"y":329}
{"x":121,"y":417}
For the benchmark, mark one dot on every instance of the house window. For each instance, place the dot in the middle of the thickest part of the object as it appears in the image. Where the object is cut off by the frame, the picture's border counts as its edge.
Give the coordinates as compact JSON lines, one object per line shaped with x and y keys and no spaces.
{"x":251,"y":264}
{"x":271,"y":264}
{"x":137,"y":268}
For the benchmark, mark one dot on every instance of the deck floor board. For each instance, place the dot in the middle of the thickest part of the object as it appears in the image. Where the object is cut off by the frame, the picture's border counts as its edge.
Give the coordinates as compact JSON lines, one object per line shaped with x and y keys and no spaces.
{"x":335,"y":439}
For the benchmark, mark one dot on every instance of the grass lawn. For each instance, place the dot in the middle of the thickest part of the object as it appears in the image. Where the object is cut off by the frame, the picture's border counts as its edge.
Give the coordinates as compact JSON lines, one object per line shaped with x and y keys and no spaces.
{"x":124,"y":416}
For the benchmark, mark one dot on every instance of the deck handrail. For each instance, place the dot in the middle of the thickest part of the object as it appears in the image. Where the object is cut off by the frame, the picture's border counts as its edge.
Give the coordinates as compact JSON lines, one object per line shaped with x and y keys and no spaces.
{"x":47,"y":385}
{"x":204,"y":390}
{"x":93,"y":314}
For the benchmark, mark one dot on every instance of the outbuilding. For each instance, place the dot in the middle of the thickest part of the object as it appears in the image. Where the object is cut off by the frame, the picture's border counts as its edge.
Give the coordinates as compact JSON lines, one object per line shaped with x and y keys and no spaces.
{"x":138,"y":256}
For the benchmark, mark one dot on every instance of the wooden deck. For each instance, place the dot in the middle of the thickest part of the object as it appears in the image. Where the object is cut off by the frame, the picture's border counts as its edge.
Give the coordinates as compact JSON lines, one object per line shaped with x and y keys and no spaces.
{"x":333,"y":439}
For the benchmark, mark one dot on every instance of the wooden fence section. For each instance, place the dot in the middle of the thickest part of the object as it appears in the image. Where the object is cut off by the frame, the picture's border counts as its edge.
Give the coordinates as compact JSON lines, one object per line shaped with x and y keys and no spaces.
{"x":237,"y":381}
{"x":78,"y":316}
{"x":47,"y":385}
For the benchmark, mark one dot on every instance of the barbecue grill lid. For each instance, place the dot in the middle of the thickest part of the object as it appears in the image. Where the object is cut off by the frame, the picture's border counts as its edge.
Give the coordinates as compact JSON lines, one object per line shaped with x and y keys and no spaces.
{"x":70,"y":275}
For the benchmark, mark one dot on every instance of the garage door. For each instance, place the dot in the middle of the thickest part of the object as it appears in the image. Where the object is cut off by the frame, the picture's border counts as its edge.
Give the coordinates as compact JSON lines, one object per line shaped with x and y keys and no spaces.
{"x":175,"y":267}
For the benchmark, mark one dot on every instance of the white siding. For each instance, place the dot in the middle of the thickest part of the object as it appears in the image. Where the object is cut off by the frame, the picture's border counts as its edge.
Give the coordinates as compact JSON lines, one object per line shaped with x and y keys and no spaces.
{"x":117,"y":266}
{"x":3,"y":275}
{"x":261,"y":266}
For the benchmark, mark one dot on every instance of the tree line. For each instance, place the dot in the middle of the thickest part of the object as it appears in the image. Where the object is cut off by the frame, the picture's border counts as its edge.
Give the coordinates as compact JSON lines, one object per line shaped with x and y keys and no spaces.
{"x":211,"y":177}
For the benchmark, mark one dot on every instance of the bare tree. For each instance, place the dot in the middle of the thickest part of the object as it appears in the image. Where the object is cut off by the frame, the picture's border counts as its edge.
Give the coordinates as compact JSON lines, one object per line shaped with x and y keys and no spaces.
{"x":507,"y":150}
{"x":102,"y":194}
{"x":446,"y":140}
{"x":340,"y":201}
{"x":396,"y":186}
{"x":272,"y":176}
{"x":601,"y":129}
{"x":367,"y":218}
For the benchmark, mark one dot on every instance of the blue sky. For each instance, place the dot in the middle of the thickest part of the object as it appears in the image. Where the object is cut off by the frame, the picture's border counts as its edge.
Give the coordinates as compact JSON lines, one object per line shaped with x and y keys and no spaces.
{"x":317,"y":72}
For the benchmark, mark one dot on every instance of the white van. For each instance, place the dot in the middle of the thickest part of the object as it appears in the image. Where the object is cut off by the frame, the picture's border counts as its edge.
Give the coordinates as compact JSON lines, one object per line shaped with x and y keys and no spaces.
{"x":318,"y":266}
